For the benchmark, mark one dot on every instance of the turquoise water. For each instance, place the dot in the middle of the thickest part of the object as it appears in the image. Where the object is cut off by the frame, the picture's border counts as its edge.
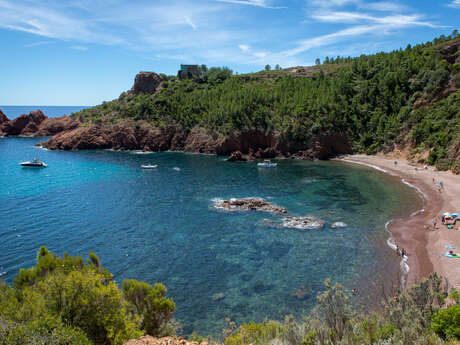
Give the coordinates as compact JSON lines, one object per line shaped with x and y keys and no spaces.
{"x":160,"y":225}
{"x":13,"y":111}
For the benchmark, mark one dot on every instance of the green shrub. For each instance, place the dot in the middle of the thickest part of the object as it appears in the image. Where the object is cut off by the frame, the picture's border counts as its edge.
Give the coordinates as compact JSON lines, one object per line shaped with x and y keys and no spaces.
{"x":446,"y":322}
{"x":151,"y":305}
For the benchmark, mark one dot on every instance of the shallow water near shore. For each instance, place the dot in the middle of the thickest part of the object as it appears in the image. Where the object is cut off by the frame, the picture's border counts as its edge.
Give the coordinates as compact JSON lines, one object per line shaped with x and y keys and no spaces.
{"x":161,"y":225}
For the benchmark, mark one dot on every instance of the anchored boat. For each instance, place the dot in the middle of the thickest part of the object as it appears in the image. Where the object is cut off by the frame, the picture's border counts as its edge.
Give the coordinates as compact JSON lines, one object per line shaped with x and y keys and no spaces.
{"x":36,"y":163}
{"x":267,"y":164}
{"x":148,"y":166}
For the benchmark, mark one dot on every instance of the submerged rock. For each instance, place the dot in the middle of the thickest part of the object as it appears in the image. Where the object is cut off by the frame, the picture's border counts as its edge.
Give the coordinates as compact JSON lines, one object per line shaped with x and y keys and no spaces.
{"x":218,"y":296}
{"x":249,"y":204}
{"x":301,"y":292}
{"x":303,"y":223}
{"x":338,"y":225}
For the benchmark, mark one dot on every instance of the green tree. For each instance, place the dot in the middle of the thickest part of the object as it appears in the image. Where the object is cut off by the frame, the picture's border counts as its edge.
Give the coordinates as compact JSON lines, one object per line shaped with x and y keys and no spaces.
{"x":151,"y":304}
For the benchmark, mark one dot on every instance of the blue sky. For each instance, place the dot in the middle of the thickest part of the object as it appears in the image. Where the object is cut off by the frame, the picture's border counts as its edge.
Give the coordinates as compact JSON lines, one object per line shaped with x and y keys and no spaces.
{"x":82,"y":52}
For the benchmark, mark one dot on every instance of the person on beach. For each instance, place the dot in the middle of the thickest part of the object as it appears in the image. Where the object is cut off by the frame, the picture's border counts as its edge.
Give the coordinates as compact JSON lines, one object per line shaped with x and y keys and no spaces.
{"x":435,"y":221}
{"x":441,"y":185}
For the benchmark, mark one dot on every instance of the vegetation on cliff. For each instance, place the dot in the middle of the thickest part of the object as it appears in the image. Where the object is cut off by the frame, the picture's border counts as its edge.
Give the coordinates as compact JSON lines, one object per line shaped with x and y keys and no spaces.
{"x":406,"y":98}
{"x":65,"y":301}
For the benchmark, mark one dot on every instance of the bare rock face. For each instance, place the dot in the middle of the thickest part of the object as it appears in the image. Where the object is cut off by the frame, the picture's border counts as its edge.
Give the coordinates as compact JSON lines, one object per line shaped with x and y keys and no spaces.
{"x":236,"y":156}
{"x":149,"y":340}
{"x":24,"y":124}
{"x":52,"y":126}
{"x":244,"y":142}
{"x":269,"y":152}
{"x":249,"y":204}
{"x":146,"y":82}
{"x":3,"y":118}
{"x":36,"y":124}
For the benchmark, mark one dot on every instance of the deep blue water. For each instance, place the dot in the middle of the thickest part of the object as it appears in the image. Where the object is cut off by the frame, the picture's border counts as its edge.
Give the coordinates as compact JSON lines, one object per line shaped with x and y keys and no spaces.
{"x":13,"y":111}
{"x":160,"y":225}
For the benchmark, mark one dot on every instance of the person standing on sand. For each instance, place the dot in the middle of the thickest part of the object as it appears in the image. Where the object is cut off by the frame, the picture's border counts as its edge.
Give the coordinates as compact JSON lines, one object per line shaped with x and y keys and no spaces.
{"x":441,"y":184}
{"x":435,"y":221}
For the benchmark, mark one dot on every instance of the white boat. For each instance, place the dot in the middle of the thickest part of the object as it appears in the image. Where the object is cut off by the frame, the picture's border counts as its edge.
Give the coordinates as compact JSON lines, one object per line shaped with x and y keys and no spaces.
{"x":267,"y":164}
{"x":36,"y":163}
{"x":148,"y":166}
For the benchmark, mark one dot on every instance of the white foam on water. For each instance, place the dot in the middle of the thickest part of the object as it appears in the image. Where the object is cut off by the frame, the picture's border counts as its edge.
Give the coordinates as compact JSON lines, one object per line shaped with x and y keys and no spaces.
{"x":140,"y":152}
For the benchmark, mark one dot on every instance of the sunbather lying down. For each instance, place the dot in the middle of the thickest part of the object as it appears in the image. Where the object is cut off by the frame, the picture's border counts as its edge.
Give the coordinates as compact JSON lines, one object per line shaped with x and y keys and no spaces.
{"x":451,"y":254}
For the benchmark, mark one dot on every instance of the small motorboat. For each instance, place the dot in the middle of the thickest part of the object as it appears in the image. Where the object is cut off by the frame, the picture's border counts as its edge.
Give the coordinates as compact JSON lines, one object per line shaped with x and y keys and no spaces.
{"x":267,"y":164}
{"x":36,"y":163}
{"x":148,"y":166}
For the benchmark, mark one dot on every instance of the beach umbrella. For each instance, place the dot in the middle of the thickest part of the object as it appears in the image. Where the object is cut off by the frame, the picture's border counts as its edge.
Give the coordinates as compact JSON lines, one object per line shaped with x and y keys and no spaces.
{"x":446,"y":214}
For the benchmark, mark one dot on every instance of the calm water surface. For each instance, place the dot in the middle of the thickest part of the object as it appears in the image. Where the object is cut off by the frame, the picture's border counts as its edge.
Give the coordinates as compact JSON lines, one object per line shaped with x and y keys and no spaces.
{"x":160,"y":225}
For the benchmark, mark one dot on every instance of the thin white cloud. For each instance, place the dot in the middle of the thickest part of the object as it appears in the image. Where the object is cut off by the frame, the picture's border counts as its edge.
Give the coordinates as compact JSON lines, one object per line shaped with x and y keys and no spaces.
{"x":36,"y":44}
{"x":384,"y":6}
{"x":455,"y":3}
{"x":258,"y":3}
{"x":81,"y":48}
{"x":243,"y":47}
{"x":189,"y":22}
{"x":357,"y":17}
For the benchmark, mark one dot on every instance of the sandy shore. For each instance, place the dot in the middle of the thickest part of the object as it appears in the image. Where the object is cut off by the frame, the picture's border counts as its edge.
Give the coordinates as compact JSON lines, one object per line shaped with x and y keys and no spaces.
{"x":424,"y":245}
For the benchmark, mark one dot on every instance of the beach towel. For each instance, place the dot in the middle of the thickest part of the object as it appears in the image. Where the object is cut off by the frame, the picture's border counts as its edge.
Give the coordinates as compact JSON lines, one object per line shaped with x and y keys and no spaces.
{"x":448,"y":255}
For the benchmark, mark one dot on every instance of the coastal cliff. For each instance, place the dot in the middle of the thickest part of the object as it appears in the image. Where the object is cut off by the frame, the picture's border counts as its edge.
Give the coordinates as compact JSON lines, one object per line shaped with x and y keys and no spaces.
{"x":255,"y":144}
{"x":35,"y":124}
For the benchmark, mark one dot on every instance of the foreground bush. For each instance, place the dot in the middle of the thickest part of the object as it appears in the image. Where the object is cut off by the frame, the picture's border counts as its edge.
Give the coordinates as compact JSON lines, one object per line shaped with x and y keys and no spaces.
{"x":417,"y":317}
{"x":63,"y":300}
{"x":446,"y":322}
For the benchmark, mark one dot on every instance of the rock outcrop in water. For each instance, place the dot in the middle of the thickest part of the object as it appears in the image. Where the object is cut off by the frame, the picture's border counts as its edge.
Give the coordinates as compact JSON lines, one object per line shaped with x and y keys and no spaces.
{"x":303,"y":223}
{"x":236,"y":156}
{"x":36,"y":124}
{"x":249,"y":204}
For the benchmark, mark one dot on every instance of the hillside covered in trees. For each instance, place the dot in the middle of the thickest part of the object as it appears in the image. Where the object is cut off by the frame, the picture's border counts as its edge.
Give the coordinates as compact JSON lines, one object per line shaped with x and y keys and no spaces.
{"x":406,"y":99}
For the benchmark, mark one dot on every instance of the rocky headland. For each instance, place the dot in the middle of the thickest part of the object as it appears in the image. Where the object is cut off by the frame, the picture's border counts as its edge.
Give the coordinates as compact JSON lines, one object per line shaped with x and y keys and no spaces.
{"x":128,"y":134}
{"x":35,"y":124}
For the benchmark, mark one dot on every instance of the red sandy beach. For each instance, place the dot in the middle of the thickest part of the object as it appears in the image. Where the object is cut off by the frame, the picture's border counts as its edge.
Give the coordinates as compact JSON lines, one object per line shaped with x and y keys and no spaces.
{"x":425,"y":246}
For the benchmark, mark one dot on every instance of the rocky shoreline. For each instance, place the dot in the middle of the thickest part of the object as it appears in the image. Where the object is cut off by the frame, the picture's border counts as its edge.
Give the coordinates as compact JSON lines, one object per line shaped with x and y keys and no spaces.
{"x":36,"y":124}
{"x":241,"y":146}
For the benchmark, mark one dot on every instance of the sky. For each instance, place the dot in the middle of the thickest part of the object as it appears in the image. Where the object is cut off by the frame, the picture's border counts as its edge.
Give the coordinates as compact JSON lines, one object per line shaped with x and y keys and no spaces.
{"x":83,"y":52}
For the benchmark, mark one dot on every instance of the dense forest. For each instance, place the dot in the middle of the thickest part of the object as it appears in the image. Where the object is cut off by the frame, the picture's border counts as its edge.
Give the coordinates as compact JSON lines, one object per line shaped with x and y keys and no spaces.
{"x":65,"y":301}
{"x":406,"y":98}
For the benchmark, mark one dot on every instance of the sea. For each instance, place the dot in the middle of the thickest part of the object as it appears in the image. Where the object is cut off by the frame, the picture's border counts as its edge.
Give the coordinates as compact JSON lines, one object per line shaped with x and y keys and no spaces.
{"x":162,"y":225}
{"x":13,"y":111}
